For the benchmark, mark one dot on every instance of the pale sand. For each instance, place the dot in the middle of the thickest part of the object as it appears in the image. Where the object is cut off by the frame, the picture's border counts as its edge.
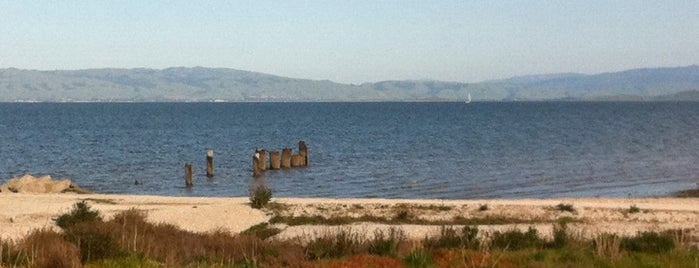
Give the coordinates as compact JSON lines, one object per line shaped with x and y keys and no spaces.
{"x":22,"y":213}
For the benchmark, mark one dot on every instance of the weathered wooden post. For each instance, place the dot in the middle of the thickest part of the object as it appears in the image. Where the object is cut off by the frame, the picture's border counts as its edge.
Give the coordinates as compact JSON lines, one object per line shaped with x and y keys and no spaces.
{"x":262,"y":161}
{"x":210,"y":163}
{"x":274,"y":160}
{"x":286,"y":158}
{"x":296,"y":160}
{"x":188,"y":174}
{"x":303,"y":151}
{"x":256,"y":172}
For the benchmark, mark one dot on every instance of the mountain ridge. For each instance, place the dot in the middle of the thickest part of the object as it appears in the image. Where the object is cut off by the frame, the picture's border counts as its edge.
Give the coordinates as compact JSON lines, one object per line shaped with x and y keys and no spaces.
{"x":225,"y":84}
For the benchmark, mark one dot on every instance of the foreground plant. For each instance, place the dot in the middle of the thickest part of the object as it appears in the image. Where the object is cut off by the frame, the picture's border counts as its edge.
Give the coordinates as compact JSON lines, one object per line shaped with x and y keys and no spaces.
{"x":81,"y":213}
{"x":260,"y":196}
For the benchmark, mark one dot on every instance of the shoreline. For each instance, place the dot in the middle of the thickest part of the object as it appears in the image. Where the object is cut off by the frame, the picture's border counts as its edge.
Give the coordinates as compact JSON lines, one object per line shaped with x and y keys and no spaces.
{"x":25,"y":212}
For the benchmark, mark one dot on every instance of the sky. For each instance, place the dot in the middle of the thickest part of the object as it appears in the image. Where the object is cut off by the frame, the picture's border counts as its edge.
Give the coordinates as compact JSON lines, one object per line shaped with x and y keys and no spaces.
{"x":353,"y":41}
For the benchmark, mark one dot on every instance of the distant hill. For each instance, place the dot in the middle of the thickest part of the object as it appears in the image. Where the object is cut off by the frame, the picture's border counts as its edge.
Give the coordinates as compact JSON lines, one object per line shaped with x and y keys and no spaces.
{"x":220,"y":84}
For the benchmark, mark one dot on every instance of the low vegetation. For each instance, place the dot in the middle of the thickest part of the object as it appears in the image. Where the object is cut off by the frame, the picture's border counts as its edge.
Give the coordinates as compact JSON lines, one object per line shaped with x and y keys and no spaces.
{"x":565,"y":208}
{"x":690,"y":193}
{"x":260,"y":196}
{"x":128,"y":240}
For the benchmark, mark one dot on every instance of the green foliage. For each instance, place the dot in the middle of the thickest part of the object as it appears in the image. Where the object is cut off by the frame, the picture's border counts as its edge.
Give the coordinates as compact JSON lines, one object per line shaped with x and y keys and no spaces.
{"x":94,"y":241}
{"x":565,"y":207}
{"x":517,"y":240}
{"x":650,"y":242}
{"x":634,"y":209}
{"x":560,"y":235}
{"x":81,"y":213}
{"x":386,"y":244}
{"x":260,"y":196}
{"x":483,"y":207}
{"x":262,"y":231}
{"x":341,"y":244}
{"x":402,"y":215}
{"x":449,"y":237}
{"x":127,"y":262}
{"x":418,"y":258}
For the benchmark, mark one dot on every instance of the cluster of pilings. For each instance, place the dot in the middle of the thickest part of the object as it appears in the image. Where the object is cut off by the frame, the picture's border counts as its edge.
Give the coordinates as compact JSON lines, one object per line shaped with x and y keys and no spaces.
{"x":259,"y":162}
{"x":278,"y":161}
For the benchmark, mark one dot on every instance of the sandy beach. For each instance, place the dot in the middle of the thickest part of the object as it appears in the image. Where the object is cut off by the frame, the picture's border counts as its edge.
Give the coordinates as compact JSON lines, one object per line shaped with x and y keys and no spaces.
{"x":22,"y":213}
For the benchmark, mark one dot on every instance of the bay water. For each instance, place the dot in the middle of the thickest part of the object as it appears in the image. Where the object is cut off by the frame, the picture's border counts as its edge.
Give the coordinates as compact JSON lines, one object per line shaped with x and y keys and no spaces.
{"x":387,"y":150}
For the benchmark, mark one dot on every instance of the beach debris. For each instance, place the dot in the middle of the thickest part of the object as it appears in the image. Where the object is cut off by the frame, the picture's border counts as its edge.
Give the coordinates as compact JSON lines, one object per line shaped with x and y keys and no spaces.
{"x":44,"y":184}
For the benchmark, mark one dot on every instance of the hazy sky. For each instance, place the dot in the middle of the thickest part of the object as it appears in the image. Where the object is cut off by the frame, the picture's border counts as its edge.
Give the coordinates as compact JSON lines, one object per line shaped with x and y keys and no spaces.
{"x":353,"y":41}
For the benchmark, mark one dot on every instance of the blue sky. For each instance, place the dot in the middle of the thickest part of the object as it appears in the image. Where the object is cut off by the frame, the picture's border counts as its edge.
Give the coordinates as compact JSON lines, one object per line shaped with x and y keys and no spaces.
{"x":353,"y":41}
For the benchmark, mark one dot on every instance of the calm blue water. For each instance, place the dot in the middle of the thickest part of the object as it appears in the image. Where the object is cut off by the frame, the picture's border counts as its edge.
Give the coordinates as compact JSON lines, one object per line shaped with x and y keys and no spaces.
{"x":406,"y":150}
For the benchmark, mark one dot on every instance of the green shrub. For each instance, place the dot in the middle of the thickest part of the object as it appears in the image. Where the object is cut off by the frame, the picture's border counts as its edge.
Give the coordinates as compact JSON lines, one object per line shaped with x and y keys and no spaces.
{"x":565,"y":207}
{"x":94,"y":241}
{"x":418,"y":258}
{"x":560,"y":235}
{"x":386,"y":244}
{"x":633,"y":209}
{"x":402,"y":216}
{"x":262,"y":231}
{"x":650,"y":242}
{"x":449,"y":237}
{"x":341,"y":244}
{"x":81,"y":213}
{"x":260,"y":196}
{"x":517,"y":240}
{"x":483,"y":207}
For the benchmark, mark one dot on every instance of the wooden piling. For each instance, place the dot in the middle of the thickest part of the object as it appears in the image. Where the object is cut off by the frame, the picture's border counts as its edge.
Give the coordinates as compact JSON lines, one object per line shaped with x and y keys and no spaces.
{"x":274,"y":160}
{"x":286,"y":158}
{"x":188,"y":174}
{"x":210,"y":163}
{"x":303,"y":152}
{"x":256,"y":172}
{"x":262,"y":161}
{"x":297,"y":160}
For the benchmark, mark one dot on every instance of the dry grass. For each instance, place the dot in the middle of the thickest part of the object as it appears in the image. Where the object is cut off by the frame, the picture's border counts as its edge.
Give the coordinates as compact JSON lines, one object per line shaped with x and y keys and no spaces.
{"x":47,"y":248}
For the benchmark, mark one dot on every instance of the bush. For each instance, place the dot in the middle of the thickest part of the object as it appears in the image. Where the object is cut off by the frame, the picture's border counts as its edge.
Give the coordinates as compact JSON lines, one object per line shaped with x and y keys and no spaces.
{"x":81,"y":213}
{"x":566,"y":207}
{"x":402,"y":216}
{"x":94,"y":241}
{"x":560,"y":235}
{"x":634,"y":209}
{"x":49,"y":249}
{"x":386,"y":245}
{"x":449,"y":237}
{"x":341,"y":244}
{"x":516,"y":240}
{"x":262,"y":231}
{"x":650,"y":242}
{"x":418,"y":258}
{"x":260,"y":196}
{"x":483,"y":207}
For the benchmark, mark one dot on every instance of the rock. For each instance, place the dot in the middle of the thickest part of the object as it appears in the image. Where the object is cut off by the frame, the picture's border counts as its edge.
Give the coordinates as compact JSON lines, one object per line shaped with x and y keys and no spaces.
{"x":45,"y":184}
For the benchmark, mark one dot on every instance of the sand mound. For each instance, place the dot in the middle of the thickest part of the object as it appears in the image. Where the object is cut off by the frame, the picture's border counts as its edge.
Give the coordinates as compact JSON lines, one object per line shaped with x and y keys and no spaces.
{"x":44,"y":185}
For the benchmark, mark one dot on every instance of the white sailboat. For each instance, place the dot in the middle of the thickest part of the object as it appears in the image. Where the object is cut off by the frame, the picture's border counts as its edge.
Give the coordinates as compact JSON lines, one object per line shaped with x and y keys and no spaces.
{"x":468,"y":98}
